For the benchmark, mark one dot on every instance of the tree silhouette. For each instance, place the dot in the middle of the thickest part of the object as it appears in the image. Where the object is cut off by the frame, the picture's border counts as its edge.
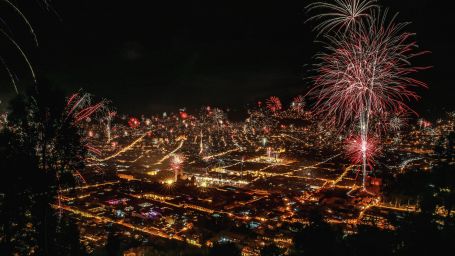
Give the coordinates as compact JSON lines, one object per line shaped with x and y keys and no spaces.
{"x":272,"y":250}
{"x":113,"y":242}
{"x":40,"y":150}
{"x":224,"y":249}
{"x":318,"y":238}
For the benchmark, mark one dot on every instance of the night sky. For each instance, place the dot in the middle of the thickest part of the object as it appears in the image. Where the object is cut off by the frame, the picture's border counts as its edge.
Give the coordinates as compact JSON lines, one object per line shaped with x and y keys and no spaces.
{"x":153,"y":56}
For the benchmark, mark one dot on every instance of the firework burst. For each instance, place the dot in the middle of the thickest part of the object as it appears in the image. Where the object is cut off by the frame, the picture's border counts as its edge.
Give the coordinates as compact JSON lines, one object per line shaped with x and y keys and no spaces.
{"x":298,"y":104}
{"x":396,"y":122}
{"x":134,"y":123}
{"x":274,"y":104}
{"x":365,"y":72}
{"x":176,"y":163}
{"x":342,"y":15}
{"x":356,"y":148}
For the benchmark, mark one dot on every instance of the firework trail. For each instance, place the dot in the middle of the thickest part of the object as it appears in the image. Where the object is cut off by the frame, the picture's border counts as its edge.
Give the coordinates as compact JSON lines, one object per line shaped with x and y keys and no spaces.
{"x":24,"y":18}
{"x":10,"y":74}
{"x":21,"y":52}
{"x":79,"y":177}
{"x":79,"y":107}
{"x":366,"y":71}
{"x":110,"y":115}
{"x":9,"y":35}
{"x":201,"y":144}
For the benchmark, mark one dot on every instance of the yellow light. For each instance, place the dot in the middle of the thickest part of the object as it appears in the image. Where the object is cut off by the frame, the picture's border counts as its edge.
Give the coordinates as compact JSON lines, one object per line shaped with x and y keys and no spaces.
{"x":153,"y":173}
{"x":169,"y":181}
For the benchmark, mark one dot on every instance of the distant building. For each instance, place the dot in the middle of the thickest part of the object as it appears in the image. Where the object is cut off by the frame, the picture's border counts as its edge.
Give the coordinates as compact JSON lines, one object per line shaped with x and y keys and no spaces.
{"x":125,"y":176}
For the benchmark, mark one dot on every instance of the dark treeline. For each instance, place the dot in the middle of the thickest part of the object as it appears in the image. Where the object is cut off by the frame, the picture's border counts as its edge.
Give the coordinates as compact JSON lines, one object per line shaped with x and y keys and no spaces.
{"x":39,"y":150}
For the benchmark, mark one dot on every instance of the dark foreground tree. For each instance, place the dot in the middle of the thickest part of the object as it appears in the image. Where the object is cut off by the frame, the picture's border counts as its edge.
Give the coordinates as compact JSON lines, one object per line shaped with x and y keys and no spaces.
{"x":40,"y":148}
{"x":225,"y":249}
{"x":272,"y":250}
{"x":319,"y":238}
{"x":113,"y":242}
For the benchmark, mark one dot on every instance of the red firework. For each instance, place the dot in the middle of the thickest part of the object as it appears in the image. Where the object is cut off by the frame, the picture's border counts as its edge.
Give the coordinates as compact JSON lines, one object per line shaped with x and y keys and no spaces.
{"x":183,"y":115}
{"x":356,"y":147}
{"x":274,"y":104}
{"x":367,"y":70}
{"x":80,"y":107}
{"x":424,"y":123}
{"x":298,"y":103}
{"x":134,"y":123}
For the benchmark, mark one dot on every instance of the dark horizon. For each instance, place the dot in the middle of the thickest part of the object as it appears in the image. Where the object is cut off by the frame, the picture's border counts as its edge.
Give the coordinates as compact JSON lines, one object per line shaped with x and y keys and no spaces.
{"x":149,"y":58}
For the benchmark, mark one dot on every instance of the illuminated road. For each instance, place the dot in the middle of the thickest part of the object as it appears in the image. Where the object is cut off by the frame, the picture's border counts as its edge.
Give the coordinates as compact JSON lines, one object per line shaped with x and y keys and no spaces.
{"x":147,"y":230}
{"x":220,"y":154}
{"x":323,"y":162}
{"x":182,"y":141}
{"x":401,"y":209}
{"x":96,"y":185}
{"x":375,"y":202}
{"x":346,"y":171}
{"x":123,"y":150}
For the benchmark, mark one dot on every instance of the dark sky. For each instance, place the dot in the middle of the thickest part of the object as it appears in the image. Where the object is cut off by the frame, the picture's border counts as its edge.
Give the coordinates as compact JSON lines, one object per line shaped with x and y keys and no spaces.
{"x":150,"y":56}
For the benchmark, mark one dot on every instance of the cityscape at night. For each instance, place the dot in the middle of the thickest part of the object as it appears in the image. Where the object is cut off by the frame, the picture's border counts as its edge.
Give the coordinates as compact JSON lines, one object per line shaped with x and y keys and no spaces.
{"x":220,"y":128}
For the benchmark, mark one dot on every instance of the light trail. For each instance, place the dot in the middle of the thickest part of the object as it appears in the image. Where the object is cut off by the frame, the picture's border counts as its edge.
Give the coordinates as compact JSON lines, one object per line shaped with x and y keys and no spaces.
{"x":148,"y":230}
{"x":220,"y":154}
{"x":91,"y":186}
{"x":223,"y":168}
{"x":343,"y":174}
{"x":373,"y":204}
{"x":182,"y":141}
{"x":201,"y":145}
{"x":123,"y":150}
{"x":408,"y":161}
{"x":402,"y":209}
{"x":294,"y":138}
{"x":323,"y":162}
